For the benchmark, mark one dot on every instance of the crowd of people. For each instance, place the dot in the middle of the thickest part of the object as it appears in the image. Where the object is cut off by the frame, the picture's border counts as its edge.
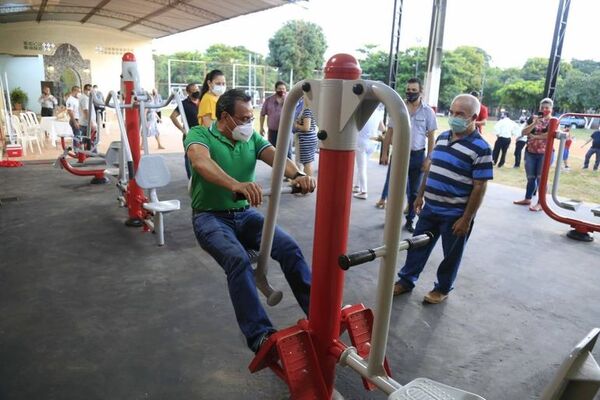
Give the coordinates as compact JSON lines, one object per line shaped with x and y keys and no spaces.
{"x":446,"y":183}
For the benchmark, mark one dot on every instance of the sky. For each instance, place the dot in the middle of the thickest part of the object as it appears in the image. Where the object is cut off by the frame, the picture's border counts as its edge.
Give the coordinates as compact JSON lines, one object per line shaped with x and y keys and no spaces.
{"x":510,"y":31}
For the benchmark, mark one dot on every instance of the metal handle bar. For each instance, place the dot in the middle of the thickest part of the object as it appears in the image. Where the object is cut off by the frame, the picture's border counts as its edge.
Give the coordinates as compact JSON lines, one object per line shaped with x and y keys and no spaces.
{"x":267,"y":192}
{"x":346,"y":261}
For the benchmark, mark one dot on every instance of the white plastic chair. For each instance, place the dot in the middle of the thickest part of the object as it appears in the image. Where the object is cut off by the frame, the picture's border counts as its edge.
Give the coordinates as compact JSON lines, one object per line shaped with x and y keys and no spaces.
{"x":152,"y":174}
{"x":29,"y":123}
{"x":24,"y":136}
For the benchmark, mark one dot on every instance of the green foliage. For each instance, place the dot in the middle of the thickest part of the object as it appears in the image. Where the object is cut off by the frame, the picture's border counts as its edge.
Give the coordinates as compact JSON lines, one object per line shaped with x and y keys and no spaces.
{"x":374,"y":63}
{"x":522,"y":94}
{"x":18,"y":96}
{"x":299,"y":46}
{"x":579,"y":92}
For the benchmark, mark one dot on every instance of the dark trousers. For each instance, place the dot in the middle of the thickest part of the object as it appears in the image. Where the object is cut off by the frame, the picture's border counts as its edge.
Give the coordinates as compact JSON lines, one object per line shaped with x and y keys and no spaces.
{"x":589,"y":155}
{"x":414,"y":180}
{"x":272,"y":136}
{"x":452,"y":245}
{"x":47,"y":112}
{"x":518,"y":152}
{"x":501,"y":146}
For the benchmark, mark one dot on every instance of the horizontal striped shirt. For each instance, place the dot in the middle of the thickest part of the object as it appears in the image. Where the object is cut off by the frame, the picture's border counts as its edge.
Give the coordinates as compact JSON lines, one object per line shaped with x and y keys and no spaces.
{"x":454,"y":167}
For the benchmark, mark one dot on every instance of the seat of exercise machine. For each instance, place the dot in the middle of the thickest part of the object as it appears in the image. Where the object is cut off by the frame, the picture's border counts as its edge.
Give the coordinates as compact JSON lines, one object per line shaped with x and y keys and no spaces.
{"x":90,"y":162}
{"x":596,"y":211}
{"x":426,"y":389}
{"x":163,"y":206}
{"x":572,"y":205}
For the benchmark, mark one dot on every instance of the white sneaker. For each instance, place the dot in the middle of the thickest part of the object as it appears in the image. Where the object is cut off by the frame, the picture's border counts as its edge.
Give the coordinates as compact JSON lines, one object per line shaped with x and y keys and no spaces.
{"x":361,"y":195}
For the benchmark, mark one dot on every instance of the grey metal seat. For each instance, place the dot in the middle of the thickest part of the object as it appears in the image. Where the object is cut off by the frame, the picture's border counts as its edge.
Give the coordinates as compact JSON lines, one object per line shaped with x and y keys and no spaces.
{"x":426,"y":389}
{"x":153,"y":173}
{"x":579,"y":375}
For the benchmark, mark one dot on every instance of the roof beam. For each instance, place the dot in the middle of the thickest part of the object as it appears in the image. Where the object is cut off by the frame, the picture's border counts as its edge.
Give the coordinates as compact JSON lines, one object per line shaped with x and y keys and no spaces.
{"x":153,"y":14}
{"x":41,"y":11}
{"x":94,"y":11}
{"x":190,"y":9}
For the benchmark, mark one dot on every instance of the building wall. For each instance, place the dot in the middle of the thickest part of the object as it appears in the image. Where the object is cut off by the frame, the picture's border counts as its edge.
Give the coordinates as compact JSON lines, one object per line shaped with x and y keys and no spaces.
{"x":102,"y":46}
{"x":26,"y":73}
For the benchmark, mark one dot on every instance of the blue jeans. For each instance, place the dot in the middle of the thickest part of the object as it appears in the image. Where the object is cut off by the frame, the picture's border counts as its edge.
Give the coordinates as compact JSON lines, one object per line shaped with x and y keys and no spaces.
{"x":533,"y":169}
{"x":453,"y":249}
{"x":226,"y":237}
{"x":588,"y":156}
{"x":413,"y":181}
{"x":272,"y":136}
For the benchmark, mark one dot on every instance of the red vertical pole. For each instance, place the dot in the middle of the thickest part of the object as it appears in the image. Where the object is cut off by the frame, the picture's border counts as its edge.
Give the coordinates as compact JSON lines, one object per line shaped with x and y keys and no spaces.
{"x":135,"y":194}
{"x":332,"y":221}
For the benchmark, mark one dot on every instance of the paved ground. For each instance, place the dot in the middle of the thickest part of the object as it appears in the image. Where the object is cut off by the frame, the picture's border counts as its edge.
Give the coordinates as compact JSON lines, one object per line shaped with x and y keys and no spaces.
{"x":92,"y":309}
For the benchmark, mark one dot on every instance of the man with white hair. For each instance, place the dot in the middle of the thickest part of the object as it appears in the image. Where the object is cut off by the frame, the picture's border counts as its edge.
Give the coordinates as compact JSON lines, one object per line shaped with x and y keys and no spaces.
{"x":450,"y":194}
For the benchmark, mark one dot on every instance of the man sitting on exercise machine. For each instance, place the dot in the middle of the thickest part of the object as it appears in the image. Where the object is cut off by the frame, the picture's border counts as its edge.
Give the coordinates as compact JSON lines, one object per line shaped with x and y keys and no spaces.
{"x":223,"y":160}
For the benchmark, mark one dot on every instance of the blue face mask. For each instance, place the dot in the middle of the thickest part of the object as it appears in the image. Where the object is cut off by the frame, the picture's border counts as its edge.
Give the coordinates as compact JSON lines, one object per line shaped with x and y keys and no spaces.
{"x":458,"y":125}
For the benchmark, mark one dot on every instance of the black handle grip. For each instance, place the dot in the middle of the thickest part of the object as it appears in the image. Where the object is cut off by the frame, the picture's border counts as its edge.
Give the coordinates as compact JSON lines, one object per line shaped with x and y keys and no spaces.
{"x":346,"y":261}
{"x":419,"y":240}
{"x":286,"y":190}
{"x":130,"y":169}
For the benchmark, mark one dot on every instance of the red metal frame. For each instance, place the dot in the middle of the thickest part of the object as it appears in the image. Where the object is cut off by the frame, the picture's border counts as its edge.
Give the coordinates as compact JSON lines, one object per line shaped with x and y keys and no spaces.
{"x":135,"y":195}
{"x":580,"y":226}
{"x":305,"y":355}
{"x":98,"y":174}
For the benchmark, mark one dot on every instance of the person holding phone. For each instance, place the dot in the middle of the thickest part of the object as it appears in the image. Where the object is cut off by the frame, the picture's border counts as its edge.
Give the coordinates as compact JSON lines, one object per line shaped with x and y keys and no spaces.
{"x":536,"y":129}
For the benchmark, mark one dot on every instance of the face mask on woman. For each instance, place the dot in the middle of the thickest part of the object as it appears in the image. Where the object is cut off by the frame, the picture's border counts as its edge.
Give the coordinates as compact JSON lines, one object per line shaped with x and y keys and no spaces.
{"x":219,"y":89}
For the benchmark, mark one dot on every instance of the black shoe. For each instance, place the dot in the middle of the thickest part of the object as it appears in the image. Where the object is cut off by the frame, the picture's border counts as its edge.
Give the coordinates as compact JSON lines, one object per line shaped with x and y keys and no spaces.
{"x":409,"y":226}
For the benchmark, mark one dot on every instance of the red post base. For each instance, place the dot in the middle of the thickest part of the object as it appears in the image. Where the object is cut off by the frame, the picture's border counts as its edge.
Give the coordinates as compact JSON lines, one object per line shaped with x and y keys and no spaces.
{"x":291,"y":354}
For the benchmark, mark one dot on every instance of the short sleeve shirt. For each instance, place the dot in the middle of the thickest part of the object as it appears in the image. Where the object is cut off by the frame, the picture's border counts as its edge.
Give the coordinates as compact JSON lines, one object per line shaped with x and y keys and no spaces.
{"x":208,"y":105}
{"x":535,"y":144}
{"x":483,"y":115}
{"x":272,"y":109}
{"x":73,"y":105}
{"x":238,"y":160}
{"x":191,"y":112}
{"x":84,"y":104}
{"x":454,"y":167}
{"x":421,"y":121}
{"x":596,"y":140}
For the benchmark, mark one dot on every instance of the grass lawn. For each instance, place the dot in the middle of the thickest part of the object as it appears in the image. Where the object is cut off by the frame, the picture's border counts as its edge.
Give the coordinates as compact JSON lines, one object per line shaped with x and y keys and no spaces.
{"x":574,"y":184}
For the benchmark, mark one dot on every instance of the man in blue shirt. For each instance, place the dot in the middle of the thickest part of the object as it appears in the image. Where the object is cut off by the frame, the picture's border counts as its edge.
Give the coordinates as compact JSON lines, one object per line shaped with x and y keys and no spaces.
{"x":595,"y":149}
{"x":422,"y":136}
{"x":449,"y":197}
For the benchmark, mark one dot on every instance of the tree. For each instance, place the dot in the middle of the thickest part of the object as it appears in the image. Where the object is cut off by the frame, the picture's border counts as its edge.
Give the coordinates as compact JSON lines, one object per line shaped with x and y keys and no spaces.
{"x":374,"y":63}
{"x":522,"y":94}
{"x":298,"y":46}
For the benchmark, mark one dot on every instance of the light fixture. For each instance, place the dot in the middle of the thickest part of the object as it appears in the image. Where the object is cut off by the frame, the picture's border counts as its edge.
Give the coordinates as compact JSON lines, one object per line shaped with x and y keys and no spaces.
{"x":50,"y":68}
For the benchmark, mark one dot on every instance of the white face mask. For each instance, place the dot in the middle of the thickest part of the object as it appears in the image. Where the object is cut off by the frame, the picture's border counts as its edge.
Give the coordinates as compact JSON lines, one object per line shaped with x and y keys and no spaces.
{"x":243,"y":133}
{"x":219,"y":89}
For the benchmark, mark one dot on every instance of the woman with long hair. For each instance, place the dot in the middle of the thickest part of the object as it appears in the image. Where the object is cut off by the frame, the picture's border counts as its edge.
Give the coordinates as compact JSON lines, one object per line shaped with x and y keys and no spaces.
{"x":212,"y":88}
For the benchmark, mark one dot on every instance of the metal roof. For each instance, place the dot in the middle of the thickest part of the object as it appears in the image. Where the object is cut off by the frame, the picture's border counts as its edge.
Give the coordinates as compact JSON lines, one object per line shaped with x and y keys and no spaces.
{"x":149,"y":18}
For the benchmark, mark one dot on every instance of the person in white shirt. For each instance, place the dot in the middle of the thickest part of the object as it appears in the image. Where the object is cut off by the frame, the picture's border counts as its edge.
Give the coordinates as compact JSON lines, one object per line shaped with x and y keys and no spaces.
{"x":504,"y":129}
{"x":87,"y":116}
{"x":364,"y":147}
{"x":48,"y":102}
{"x":72,"y":104}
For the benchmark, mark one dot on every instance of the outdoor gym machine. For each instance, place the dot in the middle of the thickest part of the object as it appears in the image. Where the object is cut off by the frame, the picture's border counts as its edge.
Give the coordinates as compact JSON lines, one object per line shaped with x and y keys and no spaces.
{"x":581,"y":229}
{"x":305,"y":355}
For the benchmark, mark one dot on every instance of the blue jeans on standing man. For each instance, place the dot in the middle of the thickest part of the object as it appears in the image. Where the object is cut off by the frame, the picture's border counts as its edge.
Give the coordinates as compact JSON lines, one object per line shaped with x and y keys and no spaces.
{"x":452,"y":245}
{"x":533,"y":169}
{"x":413,"y":180}
{"x":226,"y":236}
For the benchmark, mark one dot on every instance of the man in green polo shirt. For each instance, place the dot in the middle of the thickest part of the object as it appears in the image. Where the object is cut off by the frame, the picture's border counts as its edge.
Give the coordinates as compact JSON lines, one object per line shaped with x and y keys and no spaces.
{"x":223,"y":159}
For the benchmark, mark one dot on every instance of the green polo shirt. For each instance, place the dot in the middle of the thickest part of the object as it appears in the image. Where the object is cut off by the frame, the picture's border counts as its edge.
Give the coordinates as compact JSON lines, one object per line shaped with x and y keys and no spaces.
{"x":238,"y":160}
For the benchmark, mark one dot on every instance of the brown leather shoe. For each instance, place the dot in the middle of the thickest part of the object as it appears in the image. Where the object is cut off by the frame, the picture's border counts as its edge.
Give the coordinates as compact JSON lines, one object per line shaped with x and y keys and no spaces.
{"x":434,"y":297}
{"x":400,"y":288}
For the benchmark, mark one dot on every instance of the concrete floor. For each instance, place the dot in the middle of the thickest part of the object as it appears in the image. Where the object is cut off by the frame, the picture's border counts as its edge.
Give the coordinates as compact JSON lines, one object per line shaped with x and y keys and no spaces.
{"x":91,"y":309}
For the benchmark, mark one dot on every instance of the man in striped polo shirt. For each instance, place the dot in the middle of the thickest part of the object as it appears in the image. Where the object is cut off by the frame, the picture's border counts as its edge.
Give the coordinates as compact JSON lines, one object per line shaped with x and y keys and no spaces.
{"x":449,"y":197}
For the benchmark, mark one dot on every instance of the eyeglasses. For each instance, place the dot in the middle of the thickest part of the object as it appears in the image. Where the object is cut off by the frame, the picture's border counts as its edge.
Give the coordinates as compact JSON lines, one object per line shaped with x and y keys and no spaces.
{"x":245,"y":120}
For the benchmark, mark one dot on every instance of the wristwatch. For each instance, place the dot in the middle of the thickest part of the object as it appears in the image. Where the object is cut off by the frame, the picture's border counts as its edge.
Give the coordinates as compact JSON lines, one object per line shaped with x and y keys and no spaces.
{"x":298,"y":175}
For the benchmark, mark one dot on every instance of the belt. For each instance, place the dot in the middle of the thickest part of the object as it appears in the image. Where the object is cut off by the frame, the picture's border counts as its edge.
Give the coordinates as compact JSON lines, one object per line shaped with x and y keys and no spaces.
{"x":230,"y":211}
{"x":418,"y":151}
